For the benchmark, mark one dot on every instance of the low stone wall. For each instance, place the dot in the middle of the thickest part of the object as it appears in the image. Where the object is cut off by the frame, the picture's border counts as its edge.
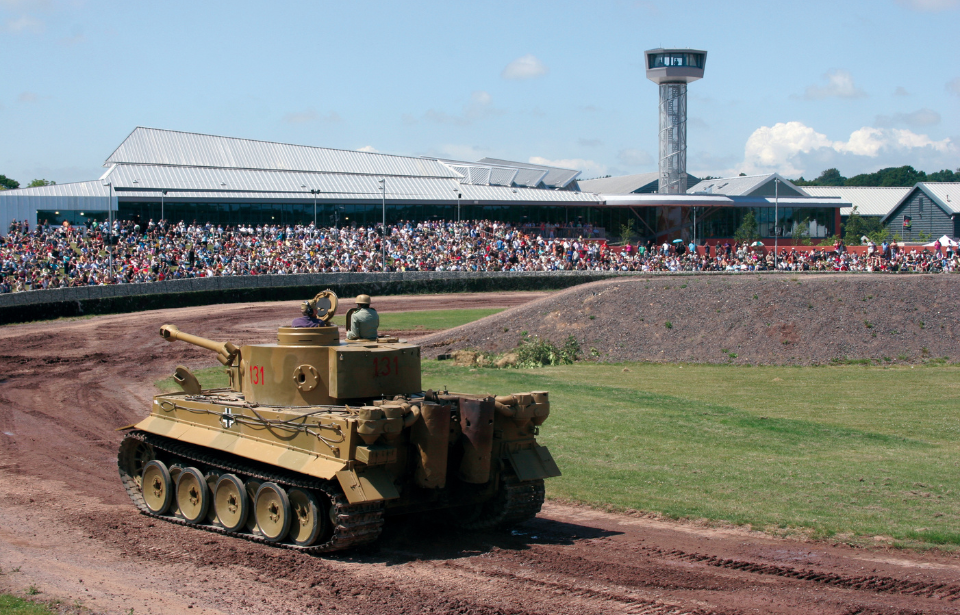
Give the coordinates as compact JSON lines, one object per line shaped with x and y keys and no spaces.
{"x":121,"y":298}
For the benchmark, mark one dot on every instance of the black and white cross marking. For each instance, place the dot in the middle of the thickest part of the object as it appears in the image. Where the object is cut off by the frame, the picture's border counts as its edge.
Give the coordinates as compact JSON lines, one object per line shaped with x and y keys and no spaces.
{"x":226,"y":419}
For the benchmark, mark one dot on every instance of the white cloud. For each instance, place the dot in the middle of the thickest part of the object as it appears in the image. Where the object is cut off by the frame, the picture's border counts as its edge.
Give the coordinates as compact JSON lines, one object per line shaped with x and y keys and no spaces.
{"x":788,"y":147}
{"x":28,"y":97}
{"x":920,"y":117}
{"x":864,"y":142}
{"x":929,"y":6}
{"x":24,"y":23}
{"x":634,"y":157}
{"x":774,"y":146}
{"x":369,"y":149}
{"x":905,"y":139}
{"x":953,"y":86}
{"x":589,"y":167}
{"x":527,"y":67}
{"x":839,"y":85}
{"x":310,"y":115}
{"x":479,"y":107}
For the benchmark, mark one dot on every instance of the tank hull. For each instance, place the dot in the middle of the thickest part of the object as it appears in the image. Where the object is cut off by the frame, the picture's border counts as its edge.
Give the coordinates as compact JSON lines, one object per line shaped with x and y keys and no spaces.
{"x":449,"y":453}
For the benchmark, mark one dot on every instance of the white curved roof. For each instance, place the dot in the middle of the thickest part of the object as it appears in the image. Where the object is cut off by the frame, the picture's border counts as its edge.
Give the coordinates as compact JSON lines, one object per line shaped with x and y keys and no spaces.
{"x":869,"y":201}
{"x":188,"y":149}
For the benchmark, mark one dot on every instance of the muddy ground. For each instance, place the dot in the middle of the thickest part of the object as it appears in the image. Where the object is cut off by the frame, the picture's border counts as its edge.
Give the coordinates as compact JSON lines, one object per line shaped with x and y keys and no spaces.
{"x":67,"y":528}
{"x":771,"y":320}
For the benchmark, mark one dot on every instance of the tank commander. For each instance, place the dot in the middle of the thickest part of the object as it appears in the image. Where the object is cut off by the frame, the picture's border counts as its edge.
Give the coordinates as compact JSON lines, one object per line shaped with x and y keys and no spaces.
{"x":308,"y":317}
{"x":364,"y":322}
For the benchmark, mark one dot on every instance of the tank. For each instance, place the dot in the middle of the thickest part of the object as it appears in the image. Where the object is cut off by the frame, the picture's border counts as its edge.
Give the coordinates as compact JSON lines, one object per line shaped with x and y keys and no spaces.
{"x":316,"y":441}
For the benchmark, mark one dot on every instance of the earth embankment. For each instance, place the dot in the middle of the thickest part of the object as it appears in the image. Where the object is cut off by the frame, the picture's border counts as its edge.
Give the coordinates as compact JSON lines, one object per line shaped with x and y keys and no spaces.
{"x":772,"y":320}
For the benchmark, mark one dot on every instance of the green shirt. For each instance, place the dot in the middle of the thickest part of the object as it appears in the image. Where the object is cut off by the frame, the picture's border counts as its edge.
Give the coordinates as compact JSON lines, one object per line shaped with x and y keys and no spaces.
{"x":363,"y":325}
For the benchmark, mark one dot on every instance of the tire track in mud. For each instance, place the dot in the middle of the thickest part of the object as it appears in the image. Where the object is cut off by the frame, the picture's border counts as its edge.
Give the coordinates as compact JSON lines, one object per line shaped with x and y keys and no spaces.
{"x":630,"y":604}
{"x":875,"y":583}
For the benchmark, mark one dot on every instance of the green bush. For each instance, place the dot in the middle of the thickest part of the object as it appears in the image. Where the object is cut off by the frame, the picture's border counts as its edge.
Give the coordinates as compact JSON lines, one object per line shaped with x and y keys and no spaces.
{"x":536,"y":352}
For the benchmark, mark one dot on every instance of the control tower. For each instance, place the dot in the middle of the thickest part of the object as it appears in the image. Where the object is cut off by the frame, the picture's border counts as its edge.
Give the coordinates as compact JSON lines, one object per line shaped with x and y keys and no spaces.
{"x":672,"y":70}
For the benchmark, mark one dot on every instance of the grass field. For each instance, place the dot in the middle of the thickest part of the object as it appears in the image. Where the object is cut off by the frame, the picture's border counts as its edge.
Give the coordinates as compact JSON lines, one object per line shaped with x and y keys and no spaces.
{"x":848,"y":452}
{"x":427,"y":320}
{"x":853,"y":452}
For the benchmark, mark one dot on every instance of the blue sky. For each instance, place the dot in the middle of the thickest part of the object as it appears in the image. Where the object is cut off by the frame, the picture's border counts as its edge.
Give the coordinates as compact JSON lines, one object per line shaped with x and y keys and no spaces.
{"x":794,"y":87}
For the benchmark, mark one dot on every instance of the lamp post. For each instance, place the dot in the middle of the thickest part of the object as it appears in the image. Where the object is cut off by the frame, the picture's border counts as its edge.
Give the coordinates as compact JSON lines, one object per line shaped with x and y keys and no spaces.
{"x":459,"y":194}
{"x":776,"y":221}
{"x":383,"y":239}
{"x":109,"y":186}
{"x":162,"y":194}
{"x":314,"y":193}
{"x":694,"y":226}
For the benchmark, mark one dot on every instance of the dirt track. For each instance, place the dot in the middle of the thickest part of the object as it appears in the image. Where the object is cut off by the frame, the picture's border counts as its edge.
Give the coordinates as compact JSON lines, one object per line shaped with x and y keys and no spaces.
{"x":65,"y":521}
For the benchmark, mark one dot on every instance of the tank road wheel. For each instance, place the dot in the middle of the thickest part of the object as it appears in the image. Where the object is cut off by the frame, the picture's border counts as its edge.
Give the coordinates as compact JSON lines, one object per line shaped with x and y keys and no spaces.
{"x":273,"y":512}
{"x":135,"y":454}
{"x":193,"y":495}
{"x":308,"y":518}
{"x":157,"y":487}
{"x":231,"y":503}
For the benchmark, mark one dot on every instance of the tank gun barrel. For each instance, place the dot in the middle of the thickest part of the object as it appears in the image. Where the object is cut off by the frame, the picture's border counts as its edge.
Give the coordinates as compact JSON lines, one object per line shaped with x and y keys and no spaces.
{"x":226,"y":351}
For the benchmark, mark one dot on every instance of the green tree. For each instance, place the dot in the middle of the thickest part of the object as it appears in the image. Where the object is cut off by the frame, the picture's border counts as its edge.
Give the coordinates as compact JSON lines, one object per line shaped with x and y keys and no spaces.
{"x":945,"y":175}
{"x":627,"y":232}
{"x":801,"y":233}
{"x":853,"y":229}
{"x":904,"y":176}
{"x":830,"y":177}
{"x":858,"y":226}
{"x":41,"y":182}
{"x":749,"y":230}
{"x":8,"y":184}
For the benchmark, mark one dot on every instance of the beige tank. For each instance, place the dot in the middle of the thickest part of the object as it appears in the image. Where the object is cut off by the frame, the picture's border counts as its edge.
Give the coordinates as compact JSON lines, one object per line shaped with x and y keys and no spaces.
{"x":316,"y":440}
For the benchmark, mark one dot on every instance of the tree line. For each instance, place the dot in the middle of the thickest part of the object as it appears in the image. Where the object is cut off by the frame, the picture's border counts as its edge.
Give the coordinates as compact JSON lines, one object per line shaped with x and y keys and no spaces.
{"x":903,"y":177}
{"x":7,"y":183}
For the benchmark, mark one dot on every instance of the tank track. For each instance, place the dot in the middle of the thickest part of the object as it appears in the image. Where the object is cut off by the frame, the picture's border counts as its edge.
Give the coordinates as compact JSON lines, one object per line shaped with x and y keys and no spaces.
{"x":357,"y":524}
{"x":516,"y":501}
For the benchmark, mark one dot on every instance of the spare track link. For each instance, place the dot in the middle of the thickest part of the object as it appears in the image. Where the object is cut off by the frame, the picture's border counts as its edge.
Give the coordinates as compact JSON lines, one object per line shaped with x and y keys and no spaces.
{"x":516,"y":502}
{"x":358,"y":524}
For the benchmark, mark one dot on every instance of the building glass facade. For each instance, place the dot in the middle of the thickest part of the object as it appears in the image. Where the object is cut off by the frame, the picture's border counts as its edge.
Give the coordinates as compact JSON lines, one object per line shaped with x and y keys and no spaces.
{"x":725,"y":222}
{"x":712,"y":223}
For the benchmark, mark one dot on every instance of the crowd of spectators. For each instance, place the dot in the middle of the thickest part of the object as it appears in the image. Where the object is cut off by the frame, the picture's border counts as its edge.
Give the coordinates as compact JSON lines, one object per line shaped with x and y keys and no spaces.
{"x":58,"y":256}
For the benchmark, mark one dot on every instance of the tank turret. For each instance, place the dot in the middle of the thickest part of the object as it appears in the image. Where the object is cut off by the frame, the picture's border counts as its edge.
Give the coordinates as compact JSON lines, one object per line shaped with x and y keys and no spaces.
{"x":310,"y":366}
{"x":315,"y":440}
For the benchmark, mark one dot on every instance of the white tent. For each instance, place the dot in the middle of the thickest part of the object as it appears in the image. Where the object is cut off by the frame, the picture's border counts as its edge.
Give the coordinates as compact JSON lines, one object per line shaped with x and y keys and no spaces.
{"x":944,"y":241}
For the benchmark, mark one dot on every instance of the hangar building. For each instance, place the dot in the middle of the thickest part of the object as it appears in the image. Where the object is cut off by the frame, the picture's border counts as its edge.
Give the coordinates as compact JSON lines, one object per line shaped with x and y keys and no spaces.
{"x":157,"y":174}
